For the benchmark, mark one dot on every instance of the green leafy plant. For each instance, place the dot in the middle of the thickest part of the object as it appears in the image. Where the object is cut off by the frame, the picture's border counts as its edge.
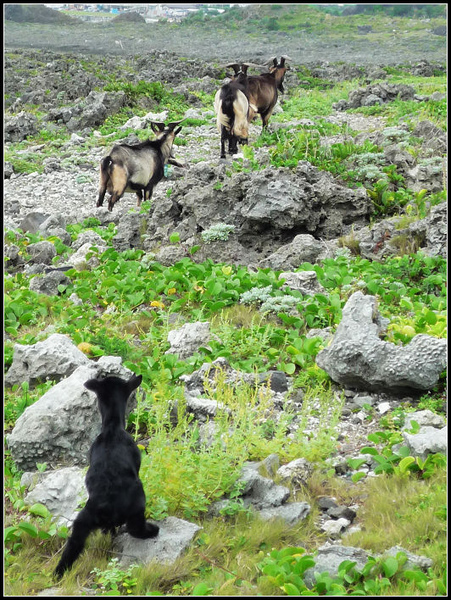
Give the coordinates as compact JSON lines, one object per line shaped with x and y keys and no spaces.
{"x":284,"y":570}
{"x":114,"y":581}
{"x":395,"y":458}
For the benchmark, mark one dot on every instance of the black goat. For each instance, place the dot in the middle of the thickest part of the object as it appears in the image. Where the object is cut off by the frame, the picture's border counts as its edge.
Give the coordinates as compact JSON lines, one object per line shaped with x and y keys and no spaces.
{"x":116,"y":494}
{"x":137,"y":168}
{"x":232,"y":109}
{"x":264,"y":88}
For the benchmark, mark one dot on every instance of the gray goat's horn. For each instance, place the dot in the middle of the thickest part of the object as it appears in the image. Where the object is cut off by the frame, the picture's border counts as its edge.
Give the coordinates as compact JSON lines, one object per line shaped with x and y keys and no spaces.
{"x":174,"y":124}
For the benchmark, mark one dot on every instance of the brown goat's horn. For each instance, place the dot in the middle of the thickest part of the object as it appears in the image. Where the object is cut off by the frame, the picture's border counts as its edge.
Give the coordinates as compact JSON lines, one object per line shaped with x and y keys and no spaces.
{"x":253,"y":65}
{"x":271,"y":61}
{"x":234,"y":66}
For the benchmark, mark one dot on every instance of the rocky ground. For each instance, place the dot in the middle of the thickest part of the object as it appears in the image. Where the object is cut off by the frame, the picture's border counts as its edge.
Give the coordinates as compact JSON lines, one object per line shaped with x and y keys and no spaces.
{"x":139,"y":39}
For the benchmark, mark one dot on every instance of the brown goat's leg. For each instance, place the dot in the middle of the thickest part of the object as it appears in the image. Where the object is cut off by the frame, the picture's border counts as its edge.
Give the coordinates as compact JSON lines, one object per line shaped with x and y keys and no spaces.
{"x":265,"y":118}
{"x":139,"y":195}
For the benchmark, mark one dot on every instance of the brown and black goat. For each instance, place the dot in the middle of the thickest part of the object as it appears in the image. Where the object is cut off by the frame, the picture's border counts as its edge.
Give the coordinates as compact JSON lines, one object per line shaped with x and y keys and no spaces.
{"x":232,"y":109}
{"x":264,"y":89}
{"x":137,"y":168}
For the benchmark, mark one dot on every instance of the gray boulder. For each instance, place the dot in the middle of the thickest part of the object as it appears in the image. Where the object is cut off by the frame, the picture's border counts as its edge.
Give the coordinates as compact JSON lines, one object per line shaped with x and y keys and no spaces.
{"x":204,"y":409}
{"x":433,"y":137}
{"x":424,"y":418}
{"x":48,"y":284}
{"x":60,"y":427}
{"x":303,"y":248}
{"x":358,"y":358}
{"x":429,"y":440}
{"x":33,"y":221}
{"x":378,"y":93}
{"x":413,"y":560}
{"x":305,"y":282}
{"x":88,"y":237}
{"x":19,"y":127}
{"x":54,"y":358}
{"x":434,"y":228}
{"x":129,"y":231}
{"x":173,"y":539}
{"x":267,"y":210}
{"x":334,"y":528}
{"x":61,"y":492}
{"x":430,"y":234}
{"x":297,"y":472}
{"x":261,"y":492}
{"x":42,"y":252}
{"x":93,"y":111}
{"x":186,"y":340}
{"x":13,"y":258}
{"x":291,"y":513}
{"x":329,"y":558}
{"x":85,"y":258}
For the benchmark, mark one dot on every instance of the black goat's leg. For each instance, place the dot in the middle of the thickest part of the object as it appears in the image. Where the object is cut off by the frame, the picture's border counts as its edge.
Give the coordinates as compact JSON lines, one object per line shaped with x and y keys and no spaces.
{"x":115,"y":196}
{"x":102,"y":192}
{"x":223,"y":153}
{"x":138,"y":527}
{"x":148,"y":191}
{"x":82,"y":527}
{"x":233,"y":144}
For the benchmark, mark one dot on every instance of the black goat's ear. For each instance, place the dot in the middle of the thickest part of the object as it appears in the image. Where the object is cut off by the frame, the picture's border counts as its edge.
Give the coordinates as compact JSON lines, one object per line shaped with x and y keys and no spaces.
{"x":177,"y":130}
{"x":134,"y":382}
{"x":92,"y":385}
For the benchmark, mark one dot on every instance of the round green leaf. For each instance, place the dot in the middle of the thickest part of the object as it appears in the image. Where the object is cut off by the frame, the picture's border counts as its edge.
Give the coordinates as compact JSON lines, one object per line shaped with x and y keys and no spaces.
{"x":39,"y":510}
{"x":390,"y":566}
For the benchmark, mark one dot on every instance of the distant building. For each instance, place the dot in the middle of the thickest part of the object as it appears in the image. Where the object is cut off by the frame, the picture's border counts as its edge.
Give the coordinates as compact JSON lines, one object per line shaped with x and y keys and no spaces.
{"x":151,"y":12}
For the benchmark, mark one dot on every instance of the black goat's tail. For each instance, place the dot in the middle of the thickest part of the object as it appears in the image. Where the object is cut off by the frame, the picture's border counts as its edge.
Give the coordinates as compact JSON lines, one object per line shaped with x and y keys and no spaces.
{"x":232,"y":113}
{"x":240,"y":126}
{"x":222,"y":114}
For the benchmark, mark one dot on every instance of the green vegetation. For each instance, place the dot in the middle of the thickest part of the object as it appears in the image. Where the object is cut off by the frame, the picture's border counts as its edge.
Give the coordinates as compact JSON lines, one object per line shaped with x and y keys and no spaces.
{"x":183,"y":476}
{"x":325,"y":20}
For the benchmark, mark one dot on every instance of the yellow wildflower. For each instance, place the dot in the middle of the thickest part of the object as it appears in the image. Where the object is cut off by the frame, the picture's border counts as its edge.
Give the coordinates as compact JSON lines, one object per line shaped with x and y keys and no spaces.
{"x":157,"y":304}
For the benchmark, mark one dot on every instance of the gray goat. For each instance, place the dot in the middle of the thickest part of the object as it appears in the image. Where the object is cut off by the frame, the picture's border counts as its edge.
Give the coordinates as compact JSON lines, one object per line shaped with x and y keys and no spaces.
{"x":137,"y":168}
